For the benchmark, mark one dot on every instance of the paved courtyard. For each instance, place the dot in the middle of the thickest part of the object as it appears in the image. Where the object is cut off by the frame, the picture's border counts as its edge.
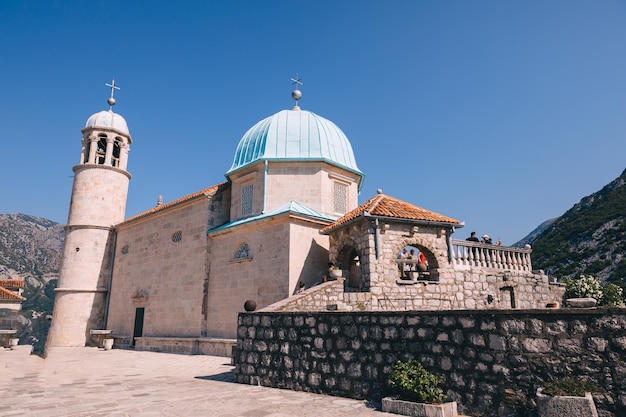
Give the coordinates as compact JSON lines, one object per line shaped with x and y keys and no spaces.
{"x":94,"y":382}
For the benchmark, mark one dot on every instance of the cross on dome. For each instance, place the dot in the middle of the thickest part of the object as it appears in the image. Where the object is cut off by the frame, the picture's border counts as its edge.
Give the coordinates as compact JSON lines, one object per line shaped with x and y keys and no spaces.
{"x":111,"y":100}
{"x":296,"y":94}
{"x":297,"y":81}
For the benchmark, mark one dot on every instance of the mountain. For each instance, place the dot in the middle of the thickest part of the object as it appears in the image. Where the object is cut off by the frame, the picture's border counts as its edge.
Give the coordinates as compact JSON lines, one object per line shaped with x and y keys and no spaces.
{"x":31,"y":248}
{"x":532,"y":236}
{"x":589,"y":239}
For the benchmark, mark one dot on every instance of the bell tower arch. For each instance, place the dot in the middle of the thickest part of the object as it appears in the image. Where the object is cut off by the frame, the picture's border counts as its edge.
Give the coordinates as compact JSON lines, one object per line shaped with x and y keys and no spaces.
{"x":98,"y":203}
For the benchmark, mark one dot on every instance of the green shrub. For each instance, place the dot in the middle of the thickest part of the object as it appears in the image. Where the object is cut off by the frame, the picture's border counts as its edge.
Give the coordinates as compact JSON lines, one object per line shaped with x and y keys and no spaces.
{"x":412,"y":382}
{"x":584,"y":287}
{"x":569,"y":386}
{"x":612,"y":296}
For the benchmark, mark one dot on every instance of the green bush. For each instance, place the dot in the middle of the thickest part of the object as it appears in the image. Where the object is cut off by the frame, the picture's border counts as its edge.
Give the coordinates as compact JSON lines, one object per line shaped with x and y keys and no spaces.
{"x":612,"y":296}
{"x":412,"y":382}
{"x":587,"y":286}
{"x":569,"y":386}
{"x":584,"y":287}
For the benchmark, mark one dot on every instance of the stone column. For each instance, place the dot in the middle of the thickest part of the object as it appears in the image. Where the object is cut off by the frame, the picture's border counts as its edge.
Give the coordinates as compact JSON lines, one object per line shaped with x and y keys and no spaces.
{"x":93,"y":146}
{"x":109,"y":151}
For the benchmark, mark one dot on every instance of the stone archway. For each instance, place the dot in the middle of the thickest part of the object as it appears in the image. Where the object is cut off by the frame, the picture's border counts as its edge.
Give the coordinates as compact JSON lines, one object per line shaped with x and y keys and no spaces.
{"x":347,"y":257}
{"x":432,"y":271}
{"x":350,"y":262}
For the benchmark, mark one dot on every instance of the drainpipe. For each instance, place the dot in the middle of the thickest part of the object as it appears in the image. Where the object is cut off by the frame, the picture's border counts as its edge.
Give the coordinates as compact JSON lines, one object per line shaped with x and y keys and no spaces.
{"x":106,"y":308}
{"x":449,"y":243}
{"x":376,"y":237}
{"x":264,"y":185}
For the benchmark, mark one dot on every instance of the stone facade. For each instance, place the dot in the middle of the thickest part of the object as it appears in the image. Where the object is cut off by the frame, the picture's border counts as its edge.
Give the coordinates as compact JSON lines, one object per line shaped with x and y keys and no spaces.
{"x":281,"y":251}
{"x":493,"y":361}
{"x":367,"y":252}
{"x":191,"y":290}
{"x":160,"y":267}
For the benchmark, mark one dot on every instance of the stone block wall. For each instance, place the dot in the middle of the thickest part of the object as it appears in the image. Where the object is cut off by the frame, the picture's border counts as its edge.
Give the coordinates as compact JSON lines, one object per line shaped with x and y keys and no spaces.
{"x":448,"y":286}
{"x":492,"y":361}
{"x":185,"y":345}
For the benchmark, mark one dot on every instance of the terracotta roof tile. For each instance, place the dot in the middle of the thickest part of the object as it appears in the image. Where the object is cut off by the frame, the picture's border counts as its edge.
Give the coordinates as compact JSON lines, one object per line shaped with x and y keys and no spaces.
{"x":11,"y":283}
{"x":205,"y":192}
{"x":385,"y":206}
{"x":9,"y":295}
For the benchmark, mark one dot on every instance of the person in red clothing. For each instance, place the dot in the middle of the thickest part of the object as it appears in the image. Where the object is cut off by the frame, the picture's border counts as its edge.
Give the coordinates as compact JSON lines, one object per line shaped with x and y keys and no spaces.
{"x":422,"y":264}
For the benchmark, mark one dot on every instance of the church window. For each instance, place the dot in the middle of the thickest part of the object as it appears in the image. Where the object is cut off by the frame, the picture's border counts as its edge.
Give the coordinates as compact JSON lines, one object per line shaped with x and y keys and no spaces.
{"x":340,"y":198}
{"x":125,"y":250}
{"x":243,"y":252}
{"x":177,"y":236}
{"x":246,"y":200}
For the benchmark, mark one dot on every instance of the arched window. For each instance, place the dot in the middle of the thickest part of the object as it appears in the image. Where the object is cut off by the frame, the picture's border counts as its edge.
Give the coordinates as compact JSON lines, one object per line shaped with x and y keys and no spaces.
{"x":101,"y":149}
{"x":412,"y":263}
{"x":115,"y":157}
{"x":243,"y":252}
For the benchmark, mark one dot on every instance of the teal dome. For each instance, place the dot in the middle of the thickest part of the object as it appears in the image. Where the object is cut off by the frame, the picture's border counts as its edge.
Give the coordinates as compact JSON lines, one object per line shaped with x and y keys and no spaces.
{"x":295,"y":135}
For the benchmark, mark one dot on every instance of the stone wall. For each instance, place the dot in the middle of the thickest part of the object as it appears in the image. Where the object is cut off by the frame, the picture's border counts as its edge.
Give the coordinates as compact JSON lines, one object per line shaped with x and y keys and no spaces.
{"x":185,"y":345}
{"x":162,"y":275}
{"x":492,"y":361}
{"x":465,"y":290}
{"x":451,"y":283}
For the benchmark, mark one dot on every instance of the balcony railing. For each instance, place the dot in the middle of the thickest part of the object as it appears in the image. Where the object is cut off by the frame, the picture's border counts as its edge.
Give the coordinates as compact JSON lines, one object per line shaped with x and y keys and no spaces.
{"x":475,"y":254}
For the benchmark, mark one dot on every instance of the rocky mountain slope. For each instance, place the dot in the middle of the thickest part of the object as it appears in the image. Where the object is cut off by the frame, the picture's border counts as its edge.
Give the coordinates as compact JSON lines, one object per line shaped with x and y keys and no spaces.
{"x":31,"y":248}
{"x":532,"y":236}
{"x":590,"y":238}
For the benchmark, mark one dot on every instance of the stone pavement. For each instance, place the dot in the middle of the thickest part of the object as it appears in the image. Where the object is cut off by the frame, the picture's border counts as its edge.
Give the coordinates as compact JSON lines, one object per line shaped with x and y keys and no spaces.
{"x":92,"y":382}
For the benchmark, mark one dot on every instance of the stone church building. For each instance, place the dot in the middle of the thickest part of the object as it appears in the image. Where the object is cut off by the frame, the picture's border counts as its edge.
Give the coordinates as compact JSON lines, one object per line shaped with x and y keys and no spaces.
{"x":175,"y":277}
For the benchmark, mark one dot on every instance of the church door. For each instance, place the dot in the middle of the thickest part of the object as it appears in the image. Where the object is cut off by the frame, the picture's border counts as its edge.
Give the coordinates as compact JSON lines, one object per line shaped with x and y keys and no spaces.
{"x":138,"y":331}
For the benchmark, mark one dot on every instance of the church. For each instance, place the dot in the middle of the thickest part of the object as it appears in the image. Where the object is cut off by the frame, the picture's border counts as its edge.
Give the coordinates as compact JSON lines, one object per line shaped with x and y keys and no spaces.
{"x":185,"y":268}
{"x":175,"y":277}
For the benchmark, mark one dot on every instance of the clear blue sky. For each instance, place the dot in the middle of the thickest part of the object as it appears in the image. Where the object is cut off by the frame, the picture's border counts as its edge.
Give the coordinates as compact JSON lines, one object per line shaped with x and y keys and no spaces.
{"x":501,"y":114}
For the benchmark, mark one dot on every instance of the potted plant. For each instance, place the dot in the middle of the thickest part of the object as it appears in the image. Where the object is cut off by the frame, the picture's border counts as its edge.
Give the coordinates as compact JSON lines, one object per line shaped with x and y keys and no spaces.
{"x":13,"y":342}
{"x":583,"y":292}
{"x":108,"y":343}
{"x":335,"y":272}
{"x":567,"y":395}
{"x":414,"y":391}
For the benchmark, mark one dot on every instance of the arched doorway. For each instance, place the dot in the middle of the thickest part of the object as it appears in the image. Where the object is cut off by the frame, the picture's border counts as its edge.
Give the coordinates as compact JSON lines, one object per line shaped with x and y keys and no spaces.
{"x":349,"y":261}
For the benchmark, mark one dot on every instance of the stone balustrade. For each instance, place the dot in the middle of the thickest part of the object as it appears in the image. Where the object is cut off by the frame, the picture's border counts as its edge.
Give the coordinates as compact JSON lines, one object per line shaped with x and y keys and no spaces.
{"x":467,"y":254}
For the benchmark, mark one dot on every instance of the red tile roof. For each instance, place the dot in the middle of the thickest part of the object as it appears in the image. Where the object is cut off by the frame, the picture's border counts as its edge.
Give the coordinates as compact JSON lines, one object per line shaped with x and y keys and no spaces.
{"x":205,"y":192}
{"x":9,"y":295}
{"x":385,"y":206}
{"x":11,"y":283}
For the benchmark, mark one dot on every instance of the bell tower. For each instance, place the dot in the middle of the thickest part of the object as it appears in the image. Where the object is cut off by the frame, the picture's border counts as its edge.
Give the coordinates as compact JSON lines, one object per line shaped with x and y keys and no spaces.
{"x":98,"y":203}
